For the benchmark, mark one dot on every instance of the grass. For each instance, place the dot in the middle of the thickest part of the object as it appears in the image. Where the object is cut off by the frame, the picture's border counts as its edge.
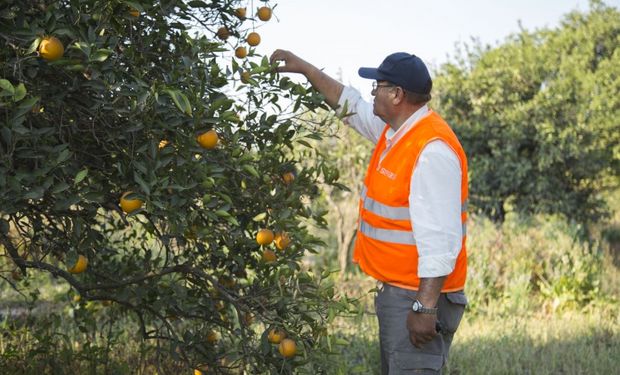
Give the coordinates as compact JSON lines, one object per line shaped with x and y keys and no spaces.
{"x":572,"y":342}
{"x":563,"y":342}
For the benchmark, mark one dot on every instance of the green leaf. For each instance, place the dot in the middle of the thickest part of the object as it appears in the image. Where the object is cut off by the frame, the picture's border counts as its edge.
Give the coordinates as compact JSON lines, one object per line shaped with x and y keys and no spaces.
{"x":142,"y":183}
{"x":6,"y":85}
{"x":135,"y":5}
{"x":260,"y":217}
{"x":232,"y":221}
{"x":60,"y":187}
{"x":25,"y":106}
{"x":63,"y":156}
{"x":4,"y":226}
{"x":251,"y":170}
{"x":314,"y":136}
{"x":34,"y":45}
{"x":20,"y":92}
{"x":222,"y":213}
{"x":101,"y":55}
{"x":71,"y":258}
{"x":95,"y":196}
{"x":197,"y":4}
{"x":66,"y":203}
{"x":84,"y":47}
{"x":80,"y":176}
{"x":223,"y":103}
{"x":181,"y":101}
{"x":35,"y":193}
{"x":6,"y":134}
{"x":304,"y":143}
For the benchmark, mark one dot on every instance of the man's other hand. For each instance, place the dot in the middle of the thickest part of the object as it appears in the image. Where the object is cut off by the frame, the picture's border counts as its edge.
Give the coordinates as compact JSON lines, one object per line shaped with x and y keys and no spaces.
{"x":421,"y":328}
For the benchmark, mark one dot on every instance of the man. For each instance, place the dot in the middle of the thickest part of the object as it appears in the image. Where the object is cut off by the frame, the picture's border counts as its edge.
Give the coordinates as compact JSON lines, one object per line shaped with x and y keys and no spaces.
{"x":411,"y":234}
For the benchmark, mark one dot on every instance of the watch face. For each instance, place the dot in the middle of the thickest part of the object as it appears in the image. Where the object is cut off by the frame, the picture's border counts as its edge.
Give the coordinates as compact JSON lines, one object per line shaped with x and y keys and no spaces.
{"x":416,"y":306}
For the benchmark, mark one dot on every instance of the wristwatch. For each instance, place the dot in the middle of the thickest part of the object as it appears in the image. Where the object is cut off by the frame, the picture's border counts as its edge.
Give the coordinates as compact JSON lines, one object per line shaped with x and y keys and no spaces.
{"x":419,"y":308}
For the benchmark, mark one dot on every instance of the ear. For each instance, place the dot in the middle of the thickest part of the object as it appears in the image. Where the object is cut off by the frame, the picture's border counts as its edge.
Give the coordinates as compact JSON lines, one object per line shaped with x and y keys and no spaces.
{"x":398,"y":95}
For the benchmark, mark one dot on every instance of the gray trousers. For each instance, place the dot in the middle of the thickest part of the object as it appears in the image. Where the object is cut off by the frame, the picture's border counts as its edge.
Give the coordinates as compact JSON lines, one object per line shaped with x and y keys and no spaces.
{"x":398,"y":355}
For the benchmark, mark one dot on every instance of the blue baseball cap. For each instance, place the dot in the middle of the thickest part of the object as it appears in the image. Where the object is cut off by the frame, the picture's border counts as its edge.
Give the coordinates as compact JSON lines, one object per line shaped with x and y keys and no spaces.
{"x":404,"y":70}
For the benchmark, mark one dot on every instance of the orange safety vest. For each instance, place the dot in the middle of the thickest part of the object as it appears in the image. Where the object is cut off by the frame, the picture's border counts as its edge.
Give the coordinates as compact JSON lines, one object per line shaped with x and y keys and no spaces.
{"x":385,"y":246}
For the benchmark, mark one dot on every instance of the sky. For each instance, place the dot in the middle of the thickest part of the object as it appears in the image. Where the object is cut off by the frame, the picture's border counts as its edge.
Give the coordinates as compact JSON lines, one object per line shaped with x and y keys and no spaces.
{"x":339,"y":36}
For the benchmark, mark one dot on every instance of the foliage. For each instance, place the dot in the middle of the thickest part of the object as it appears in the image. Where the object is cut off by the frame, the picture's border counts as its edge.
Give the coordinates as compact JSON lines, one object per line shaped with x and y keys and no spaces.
{"x":120,"y":112}
{"x":539,"y":260}
{"x":348,"y":153}
{"x":539,"y":117}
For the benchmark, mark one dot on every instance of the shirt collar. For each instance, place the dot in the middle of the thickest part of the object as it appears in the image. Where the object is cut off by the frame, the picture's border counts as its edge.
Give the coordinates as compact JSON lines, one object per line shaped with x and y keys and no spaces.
{"x":393,"y":136}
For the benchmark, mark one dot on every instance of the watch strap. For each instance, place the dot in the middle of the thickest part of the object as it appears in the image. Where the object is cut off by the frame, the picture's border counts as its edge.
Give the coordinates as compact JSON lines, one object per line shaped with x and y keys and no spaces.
{"x":420,"y":308}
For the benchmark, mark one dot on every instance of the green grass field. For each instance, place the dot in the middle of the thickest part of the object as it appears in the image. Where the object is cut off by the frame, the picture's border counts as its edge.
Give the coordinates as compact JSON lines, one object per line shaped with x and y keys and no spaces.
{"x":568,"y":342}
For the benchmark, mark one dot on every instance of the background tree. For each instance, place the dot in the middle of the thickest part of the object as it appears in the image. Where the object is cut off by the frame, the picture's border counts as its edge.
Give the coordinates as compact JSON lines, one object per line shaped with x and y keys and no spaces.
{"x":347,"y":152}
{"x":539,"y":116}
{"x":139,"y":160}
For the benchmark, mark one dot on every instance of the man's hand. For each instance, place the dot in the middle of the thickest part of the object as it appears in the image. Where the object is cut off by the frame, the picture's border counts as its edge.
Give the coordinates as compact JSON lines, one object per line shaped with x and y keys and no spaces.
{"x":292,"y":63}
{"x":326,"y":85}
{"x":421,"y":328}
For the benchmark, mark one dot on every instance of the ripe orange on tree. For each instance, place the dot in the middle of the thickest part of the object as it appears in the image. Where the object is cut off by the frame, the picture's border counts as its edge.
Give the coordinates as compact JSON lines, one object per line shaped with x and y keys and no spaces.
{"x":130,"y":205}
{"x":276,"y":335}
{"x":240,"y":13}
{"x":253,"y":39}
{"x":17,"y":275}
{"x":212,"y":337}
{"x":134,"y":12}
{"x":223,"y":33}
{"x":51,"y":48}
{"x":163,"y":143}
{"x":245,"y":76}
{"x":241,"y":52}
{"x":227,"y":281}
{"x":208,"y":139}
{"x":283,"y":240}
{"x":288,"y":178}
{"x":80,"y":265}
{"x":264,"y":13}
{"x":264,"y":237}
{"x":268,"y":256}
{"x":247,"y":318}
{"x":287,"y":348}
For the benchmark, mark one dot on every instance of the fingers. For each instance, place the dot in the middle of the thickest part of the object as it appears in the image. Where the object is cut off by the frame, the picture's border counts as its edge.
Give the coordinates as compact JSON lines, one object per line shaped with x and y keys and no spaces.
{"x":418,"y":340}
{"x":291,"y":62}
{"x":275,"y":56}
{"x":278,"y":55}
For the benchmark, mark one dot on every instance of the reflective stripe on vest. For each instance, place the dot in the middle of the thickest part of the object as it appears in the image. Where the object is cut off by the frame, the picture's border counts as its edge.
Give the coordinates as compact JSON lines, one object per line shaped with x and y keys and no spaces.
{"x":401,"y":237}
{"x":390,"y":212}
{"x":394,"y":213}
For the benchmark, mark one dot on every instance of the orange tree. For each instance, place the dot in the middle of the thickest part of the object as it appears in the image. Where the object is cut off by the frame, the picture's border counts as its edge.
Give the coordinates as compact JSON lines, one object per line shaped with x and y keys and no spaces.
{"x":139,"y":161}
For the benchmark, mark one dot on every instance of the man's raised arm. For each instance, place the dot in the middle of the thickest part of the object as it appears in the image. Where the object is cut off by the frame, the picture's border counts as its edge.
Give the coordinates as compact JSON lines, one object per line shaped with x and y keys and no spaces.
{"x":326,"y":85}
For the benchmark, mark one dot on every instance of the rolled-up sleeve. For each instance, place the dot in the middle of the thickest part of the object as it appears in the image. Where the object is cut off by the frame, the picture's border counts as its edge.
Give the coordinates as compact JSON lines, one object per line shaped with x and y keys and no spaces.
{"x":360,"y":114}
{"x":435,"y":208}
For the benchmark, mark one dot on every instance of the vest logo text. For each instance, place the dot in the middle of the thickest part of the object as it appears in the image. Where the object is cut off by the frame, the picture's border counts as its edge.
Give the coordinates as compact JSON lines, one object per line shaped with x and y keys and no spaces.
{"x":389,"y":174}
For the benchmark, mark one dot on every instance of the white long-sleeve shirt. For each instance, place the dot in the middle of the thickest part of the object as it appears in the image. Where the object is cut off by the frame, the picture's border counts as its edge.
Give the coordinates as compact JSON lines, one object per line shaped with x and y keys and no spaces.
{"x":435,"y":187}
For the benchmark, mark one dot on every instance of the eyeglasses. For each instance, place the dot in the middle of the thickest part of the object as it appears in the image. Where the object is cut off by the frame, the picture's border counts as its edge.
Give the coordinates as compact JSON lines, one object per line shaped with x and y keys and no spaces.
{"x":375,"y":85}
